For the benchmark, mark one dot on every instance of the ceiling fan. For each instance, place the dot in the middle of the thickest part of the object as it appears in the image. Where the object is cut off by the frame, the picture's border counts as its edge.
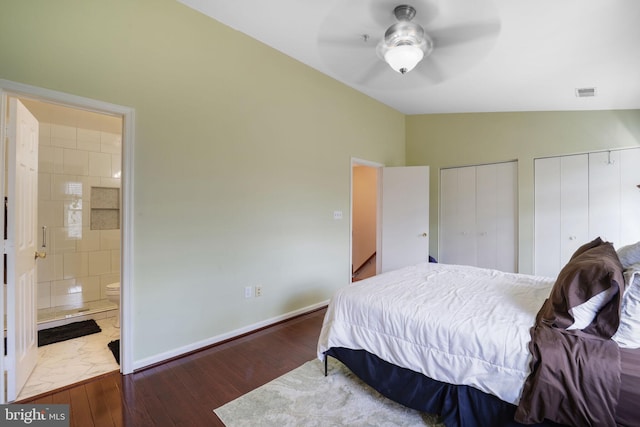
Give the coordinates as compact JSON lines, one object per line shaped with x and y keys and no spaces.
{"x":390,"y":46}
{"x":404,"y":43}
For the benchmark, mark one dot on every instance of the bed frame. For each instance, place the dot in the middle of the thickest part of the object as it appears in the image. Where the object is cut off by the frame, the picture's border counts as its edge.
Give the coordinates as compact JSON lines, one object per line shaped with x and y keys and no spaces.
{"x":465,"y":406}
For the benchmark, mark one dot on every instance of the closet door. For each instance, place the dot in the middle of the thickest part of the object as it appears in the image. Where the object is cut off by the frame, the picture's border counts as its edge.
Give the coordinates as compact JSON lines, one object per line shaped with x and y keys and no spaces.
{"x":547,"y":216}
{"x":457,"y":216}
{"x":605,"y":196}
{"x":448,"y":231}
{"x":561,"y":211}
{"x":574,"y":205}
{"x":496,"y":204}
{"x":629,"y":197}
{"x":467,"y":251}
{"x":478,"y":206}
{"x":614,"y":198}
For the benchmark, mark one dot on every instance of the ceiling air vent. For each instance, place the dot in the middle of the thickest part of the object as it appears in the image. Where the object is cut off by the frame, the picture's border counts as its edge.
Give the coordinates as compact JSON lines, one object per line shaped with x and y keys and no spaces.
{"x":585,"y":92}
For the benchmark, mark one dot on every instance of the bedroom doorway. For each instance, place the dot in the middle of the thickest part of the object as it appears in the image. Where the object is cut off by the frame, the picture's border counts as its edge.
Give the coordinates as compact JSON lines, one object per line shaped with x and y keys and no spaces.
{"x":389,"y":217}
{"x":77,"y":162}
{"x":364,"y":217}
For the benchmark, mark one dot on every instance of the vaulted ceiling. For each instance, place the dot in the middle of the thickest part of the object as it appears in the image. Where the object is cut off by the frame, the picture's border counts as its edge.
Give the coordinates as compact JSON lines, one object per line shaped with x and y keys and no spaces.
{"x":489,"y":55}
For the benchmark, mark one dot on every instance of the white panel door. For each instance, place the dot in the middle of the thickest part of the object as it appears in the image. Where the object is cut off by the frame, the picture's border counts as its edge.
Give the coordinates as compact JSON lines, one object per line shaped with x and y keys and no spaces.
{"x":457,"y":233}
{"x":22,"y":194}
{"x":486,"y":216}
{"x":629,"y":197}
{"x":467,"y":252}
{"x":404,"y":238}
{"x":604,"y":196}
{"x":496,"y":207}
{"x":449,"y":233}
{"x":574,"y":205}
{"x":478,"y":211}
{"x":547,"y":216}
{"x":507,"y":216}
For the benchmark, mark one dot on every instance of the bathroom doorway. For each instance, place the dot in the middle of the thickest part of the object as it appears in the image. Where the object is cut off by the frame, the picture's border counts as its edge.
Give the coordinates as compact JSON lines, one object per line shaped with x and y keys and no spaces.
{"x":79,"y":175}
{"x":79,"y":222}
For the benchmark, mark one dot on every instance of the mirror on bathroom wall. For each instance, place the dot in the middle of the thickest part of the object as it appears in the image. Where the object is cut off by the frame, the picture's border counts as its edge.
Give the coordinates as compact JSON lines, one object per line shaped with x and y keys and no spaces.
{"x":105,"y":208}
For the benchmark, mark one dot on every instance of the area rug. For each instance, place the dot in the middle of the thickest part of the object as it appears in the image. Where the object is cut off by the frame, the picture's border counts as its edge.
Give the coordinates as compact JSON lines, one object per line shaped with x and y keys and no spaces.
{"x":114,"y":346}
{"x":305,"y":397}
{"x":67,"y":332}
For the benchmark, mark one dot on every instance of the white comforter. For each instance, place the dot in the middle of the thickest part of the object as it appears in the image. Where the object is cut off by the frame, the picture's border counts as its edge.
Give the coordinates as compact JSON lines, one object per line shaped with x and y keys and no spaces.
{"x":456,"y":324}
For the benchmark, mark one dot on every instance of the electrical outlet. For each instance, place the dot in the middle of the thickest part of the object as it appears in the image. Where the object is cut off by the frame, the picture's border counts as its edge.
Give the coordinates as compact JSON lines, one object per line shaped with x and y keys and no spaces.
{"x":248,"y":291}
{"x":258,"y":291}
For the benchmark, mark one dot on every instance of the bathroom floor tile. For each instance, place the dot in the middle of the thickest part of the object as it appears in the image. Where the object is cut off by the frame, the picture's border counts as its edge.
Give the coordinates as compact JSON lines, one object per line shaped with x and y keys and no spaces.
{"x":71,"y":361}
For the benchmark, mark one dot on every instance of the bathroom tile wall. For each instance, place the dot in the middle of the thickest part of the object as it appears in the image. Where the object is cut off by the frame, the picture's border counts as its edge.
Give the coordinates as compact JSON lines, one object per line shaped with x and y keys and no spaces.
{"x":80,"y":262}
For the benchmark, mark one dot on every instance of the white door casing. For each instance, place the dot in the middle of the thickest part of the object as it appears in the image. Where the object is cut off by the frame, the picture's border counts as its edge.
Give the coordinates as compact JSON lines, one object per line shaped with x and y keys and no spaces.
{"x":10,"y":89}
{"x":21,"y":247}
{"x":404,"y":214}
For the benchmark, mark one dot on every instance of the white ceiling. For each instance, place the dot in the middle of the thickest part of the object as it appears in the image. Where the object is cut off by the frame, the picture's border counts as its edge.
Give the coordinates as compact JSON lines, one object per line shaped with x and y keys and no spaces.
{"x":519,"y":55}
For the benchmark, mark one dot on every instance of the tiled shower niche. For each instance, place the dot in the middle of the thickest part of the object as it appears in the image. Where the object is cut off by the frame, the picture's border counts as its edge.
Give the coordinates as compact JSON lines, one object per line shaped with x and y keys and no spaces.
{"x":105,"y":208}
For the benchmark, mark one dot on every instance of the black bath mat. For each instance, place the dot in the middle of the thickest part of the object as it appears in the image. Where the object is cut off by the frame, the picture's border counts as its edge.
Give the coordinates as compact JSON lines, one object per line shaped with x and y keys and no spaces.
{"x":114,"y":346}
{"x":67,"y":332}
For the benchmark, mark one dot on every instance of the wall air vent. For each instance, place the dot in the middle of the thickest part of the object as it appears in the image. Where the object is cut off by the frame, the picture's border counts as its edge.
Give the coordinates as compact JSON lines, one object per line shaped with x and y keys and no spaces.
{"x":585,"y":92}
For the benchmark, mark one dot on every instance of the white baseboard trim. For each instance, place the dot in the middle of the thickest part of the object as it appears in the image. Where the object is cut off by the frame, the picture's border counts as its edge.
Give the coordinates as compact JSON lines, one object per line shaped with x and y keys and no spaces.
{"x":158,"y":358}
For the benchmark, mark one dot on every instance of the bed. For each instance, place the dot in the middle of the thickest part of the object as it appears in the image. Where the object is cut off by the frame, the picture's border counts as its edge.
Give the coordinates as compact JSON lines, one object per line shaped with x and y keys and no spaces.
{"x":453,"y":340}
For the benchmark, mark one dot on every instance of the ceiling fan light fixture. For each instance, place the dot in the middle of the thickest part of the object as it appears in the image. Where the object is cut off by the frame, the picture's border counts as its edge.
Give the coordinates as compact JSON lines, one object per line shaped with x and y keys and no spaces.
{"x":403,"y":58}
{"x":405,"y":43}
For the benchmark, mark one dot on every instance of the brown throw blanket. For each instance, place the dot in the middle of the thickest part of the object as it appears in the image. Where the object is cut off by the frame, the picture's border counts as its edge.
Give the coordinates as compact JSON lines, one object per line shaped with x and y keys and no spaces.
{"x":575,"y":374}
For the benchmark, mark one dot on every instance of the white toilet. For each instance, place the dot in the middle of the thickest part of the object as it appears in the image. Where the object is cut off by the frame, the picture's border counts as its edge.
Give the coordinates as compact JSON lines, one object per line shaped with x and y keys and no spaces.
{"x":113,"y":295}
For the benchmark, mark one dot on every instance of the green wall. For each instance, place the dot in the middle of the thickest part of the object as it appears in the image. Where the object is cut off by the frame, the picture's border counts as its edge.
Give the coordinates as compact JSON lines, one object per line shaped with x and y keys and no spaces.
{"x":446,"y":140}
{"x":241,"y":156}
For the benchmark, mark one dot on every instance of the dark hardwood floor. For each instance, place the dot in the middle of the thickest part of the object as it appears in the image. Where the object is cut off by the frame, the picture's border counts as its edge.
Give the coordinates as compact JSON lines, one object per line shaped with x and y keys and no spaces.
{"x":185,"y":391}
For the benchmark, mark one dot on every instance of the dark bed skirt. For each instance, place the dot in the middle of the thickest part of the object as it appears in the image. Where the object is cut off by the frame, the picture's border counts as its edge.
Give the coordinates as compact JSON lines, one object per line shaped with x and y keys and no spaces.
{"x":458,"y":406}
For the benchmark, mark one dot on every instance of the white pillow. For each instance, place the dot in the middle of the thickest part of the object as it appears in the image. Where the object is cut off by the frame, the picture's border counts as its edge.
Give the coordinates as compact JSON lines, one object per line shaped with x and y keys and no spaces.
{"x":584,"y":313}
{"x":629,"y":255}
{"x":628,"y":333}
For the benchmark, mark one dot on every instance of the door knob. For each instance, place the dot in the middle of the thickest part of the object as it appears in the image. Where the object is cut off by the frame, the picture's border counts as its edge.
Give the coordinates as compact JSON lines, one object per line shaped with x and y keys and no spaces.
{"x":40,"y":255}
{"x":424,"y":234}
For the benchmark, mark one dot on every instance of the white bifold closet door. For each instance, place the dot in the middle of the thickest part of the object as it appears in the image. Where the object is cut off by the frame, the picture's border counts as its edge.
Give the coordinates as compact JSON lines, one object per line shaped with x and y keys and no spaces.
{"x":561,"y":210}
{"x":478,"y":206}
{"x":581,"y":197}
{"x":614,"y":198}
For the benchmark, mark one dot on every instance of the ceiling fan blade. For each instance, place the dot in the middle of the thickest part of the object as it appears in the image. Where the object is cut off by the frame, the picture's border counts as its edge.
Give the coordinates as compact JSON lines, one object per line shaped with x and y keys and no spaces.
{"x":351,"y":41}
{"x":373,"y":72}
{"x":430,"y":71}
{"x":349,"y":35}
{"x":463,"y":33}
